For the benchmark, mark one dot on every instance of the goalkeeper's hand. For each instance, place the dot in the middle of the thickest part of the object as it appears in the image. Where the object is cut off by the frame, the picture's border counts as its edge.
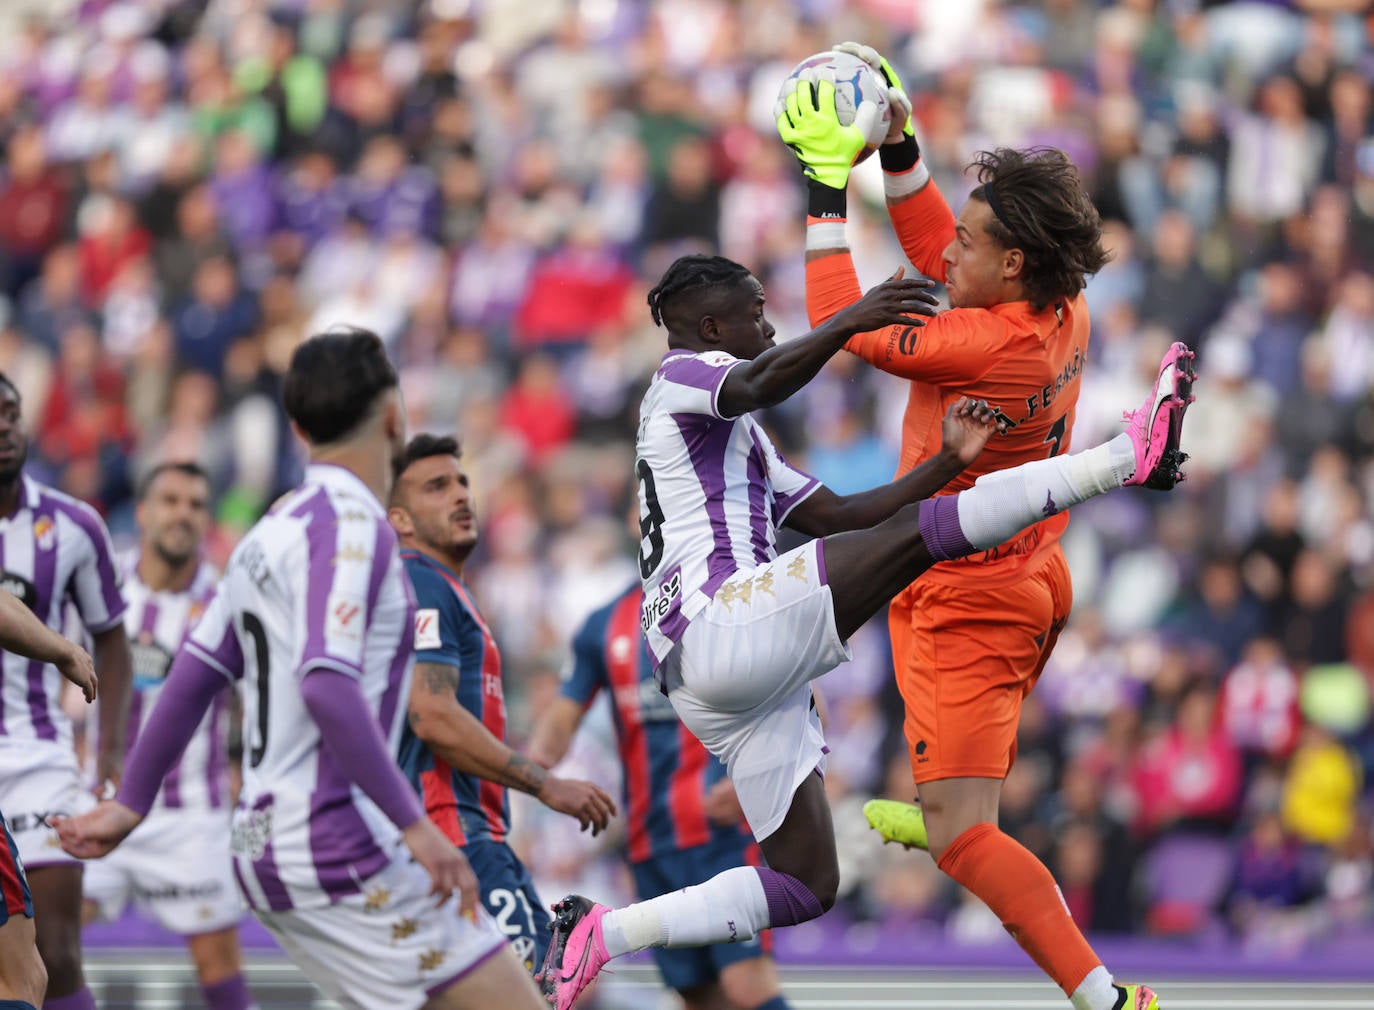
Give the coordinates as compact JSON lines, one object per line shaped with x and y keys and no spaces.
{"x":896,"y":94}
{"x":808,"y":124}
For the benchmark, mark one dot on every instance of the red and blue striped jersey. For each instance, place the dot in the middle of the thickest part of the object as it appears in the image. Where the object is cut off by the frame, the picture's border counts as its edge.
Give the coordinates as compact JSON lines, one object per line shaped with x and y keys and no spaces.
{"x":449,"y":630}
{"x":667,"y":770}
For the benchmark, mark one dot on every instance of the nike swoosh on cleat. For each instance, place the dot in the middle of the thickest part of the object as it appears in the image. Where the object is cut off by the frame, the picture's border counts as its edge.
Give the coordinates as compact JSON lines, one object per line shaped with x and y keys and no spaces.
{"x":586,"y":948}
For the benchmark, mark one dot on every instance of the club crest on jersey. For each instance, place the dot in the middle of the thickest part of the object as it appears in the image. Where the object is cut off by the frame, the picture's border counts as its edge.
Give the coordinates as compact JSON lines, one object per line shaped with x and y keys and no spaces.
{"x":45,"y":533}
{"x":657,"y":609}
{"x":427,"y":629}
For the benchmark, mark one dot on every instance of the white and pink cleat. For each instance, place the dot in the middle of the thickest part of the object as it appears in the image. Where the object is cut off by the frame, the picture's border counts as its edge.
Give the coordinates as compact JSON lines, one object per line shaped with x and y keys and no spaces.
{"x":1155,"y":429}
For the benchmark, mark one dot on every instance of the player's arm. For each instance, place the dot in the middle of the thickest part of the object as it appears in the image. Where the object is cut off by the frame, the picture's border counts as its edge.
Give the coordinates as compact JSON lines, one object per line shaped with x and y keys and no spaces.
{"x":96,"y":590}
{"x":780,"y":371}
{"x":110,"y":649}
{"x":968,"y":424}
{"x":349,"y":731}
{"x":459,"y":738}
{"x":582,"y":680}
{"x":922,"y":219}
{"x":554,"y":731}
{"x":208,"y":661}
{"x":25,"y":634}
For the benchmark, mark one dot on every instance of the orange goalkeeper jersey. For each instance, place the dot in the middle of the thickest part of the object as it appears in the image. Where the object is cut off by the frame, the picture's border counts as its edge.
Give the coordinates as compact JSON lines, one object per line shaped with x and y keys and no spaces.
{"x":1025,"y":363}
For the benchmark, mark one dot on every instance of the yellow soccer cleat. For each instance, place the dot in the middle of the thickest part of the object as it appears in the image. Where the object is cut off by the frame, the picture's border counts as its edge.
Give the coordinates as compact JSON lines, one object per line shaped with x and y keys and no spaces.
{"x":898,"y":822}
{"x":1138,"y":997}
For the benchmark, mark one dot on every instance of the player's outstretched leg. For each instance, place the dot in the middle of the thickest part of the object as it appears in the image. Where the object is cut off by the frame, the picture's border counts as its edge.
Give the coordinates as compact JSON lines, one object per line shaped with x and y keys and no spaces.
{"x":799,"y":883}
{"x":1001,"y":504}
{"x":867,"y":568}
{"x":734,"y":905}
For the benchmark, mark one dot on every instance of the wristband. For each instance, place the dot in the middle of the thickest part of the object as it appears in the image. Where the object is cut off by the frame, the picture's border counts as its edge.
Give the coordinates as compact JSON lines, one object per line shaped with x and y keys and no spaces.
{"x":825,"y":202}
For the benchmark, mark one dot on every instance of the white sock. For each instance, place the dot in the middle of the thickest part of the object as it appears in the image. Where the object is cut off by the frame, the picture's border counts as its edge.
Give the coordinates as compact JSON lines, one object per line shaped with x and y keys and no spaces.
{"x":1095,"y":992}
{"x":1001,"y":504}
{"x":730,"y":906}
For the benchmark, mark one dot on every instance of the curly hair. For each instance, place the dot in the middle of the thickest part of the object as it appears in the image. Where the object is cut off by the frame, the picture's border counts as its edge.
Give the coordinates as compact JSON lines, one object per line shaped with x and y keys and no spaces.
{"x":689,"y":272}
{"x":1040,"y":207}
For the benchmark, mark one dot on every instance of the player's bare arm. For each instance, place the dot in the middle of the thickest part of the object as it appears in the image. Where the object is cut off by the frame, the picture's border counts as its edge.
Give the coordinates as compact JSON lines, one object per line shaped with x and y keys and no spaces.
{"x":24,"y":633}
{"x":778,"y":372}
{"x":554,"y":731}
{"x":110,"y":649}
{"x":967,"y":426}
{"x":459,"y":738}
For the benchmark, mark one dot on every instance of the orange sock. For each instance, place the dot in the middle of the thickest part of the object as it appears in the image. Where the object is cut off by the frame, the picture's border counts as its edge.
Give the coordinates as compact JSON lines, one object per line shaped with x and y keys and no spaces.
{"x":1018,"y":888}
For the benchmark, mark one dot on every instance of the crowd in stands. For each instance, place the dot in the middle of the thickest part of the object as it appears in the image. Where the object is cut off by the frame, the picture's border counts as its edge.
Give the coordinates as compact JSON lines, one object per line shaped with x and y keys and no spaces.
{"x":188,"y":189}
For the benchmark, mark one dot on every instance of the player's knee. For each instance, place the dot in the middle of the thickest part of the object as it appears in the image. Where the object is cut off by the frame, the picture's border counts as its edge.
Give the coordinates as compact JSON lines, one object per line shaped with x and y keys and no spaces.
{"x":824,"y":883}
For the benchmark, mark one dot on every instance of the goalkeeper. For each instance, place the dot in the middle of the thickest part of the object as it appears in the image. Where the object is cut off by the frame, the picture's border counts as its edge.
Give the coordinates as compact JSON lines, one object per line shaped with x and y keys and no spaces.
{"x":970,"y":636}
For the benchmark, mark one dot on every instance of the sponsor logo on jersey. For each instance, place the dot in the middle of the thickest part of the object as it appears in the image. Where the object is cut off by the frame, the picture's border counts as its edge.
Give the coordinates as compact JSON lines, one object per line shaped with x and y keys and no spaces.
{"x":20,"y":588}
{"x":345,"y":621}
{"x":150,"y":661}
{"x":657,"y":609}
{"x":427,"y":629}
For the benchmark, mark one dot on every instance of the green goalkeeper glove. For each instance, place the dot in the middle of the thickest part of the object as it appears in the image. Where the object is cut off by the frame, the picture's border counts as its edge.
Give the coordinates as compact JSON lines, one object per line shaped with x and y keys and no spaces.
{"x":896,"y":94}
{"x":808,"y":125}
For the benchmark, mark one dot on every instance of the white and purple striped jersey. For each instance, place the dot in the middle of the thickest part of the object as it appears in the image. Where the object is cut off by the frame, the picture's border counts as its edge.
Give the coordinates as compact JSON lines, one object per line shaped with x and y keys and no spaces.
{"x":157,"y":623}
{"x":54,"y":551}
{"x":713,"y":491}
{"x":316,"y":583}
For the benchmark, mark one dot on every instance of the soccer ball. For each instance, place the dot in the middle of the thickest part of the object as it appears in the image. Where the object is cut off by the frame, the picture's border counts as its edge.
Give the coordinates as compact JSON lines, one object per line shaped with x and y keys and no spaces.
{"x":855,"y":81}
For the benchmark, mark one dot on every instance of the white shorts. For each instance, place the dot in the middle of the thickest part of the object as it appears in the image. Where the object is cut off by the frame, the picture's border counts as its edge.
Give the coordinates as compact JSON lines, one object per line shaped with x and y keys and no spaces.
{"x":176,"y":865}
{"x":388,"y":946}
{"x":39,"y":778}
{"x":740,"y":679}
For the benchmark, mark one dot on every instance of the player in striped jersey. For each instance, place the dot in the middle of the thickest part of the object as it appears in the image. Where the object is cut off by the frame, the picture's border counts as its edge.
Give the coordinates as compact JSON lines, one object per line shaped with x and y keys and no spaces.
{"x":454,"y":749}
{"x":683,"y":821}
{"x":177,"y":863}
{"x":738,"y":632}
{"x":315,"y":620}
{"x":23,"y":978}
{"x":54,"y":551}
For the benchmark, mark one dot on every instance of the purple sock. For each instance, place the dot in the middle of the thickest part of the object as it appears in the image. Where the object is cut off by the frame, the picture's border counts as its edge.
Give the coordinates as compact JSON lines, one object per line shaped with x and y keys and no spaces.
{"x":789,"y":900}
{"x":938,"y":521}
{"x":231,"y":994}
{"x":79,"y":1000}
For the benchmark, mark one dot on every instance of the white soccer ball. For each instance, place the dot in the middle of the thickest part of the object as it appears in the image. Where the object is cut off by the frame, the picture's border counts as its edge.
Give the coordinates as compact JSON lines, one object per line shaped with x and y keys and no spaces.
{"x":855,"y":81}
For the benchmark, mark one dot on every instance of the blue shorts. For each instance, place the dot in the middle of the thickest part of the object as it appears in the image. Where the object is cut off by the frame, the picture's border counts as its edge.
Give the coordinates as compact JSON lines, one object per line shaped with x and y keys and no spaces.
{"x":508,"y":894}
{"x":688,"y":967}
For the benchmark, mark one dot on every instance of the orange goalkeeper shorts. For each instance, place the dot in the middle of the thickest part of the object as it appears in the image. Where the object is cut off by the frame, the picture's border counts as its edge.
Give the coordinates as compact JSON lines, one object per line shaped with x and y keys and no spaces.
{"x":964,"y":660}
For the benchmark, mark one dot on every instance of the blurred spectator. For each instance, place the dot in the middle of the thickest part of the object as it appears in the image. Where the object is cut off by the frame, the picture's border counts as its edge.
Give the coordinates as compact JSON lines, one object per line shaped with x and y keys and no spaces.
{"x":217,"y":313}
{"x":1320,"y":790}
{"x":1190,"y":775}
{"x":33,"y":209}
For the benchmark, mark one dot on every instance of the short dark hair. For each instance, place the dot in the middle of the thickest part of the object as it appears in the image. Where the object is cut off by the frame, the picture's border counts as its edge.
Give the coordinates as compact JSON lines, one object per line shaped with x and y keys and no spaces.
{"x":186,"y":467}
{"x":1039,"y":206}
{"x":334,"y":380}
{"x":688,"y":272}
{"x":423,"y":447}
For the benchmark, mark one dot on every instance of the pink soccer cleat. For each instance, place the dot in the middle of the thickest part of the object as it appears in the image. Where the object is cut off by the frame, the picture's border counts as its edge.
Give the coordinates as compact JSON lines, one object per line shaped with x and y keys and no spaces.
{"x":1156,"y":427}
{"x":576,"y":952}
